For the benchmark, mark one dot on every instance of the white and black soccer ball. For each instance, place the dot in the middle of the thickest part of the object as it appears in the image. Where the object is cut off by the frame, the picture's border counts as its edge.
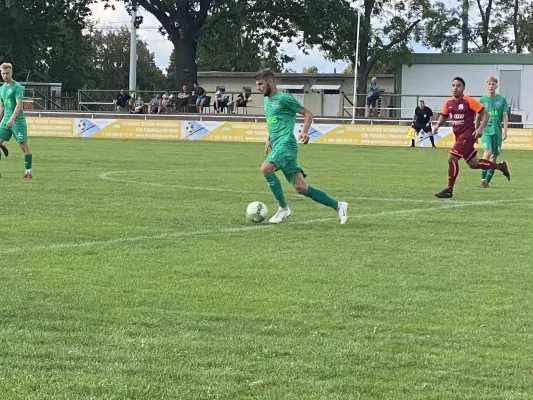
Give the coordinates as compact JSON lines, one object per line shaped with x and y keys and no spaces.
{"x":81,"y":125}
{"x":257,"y":211}
{"x":189,"y":128}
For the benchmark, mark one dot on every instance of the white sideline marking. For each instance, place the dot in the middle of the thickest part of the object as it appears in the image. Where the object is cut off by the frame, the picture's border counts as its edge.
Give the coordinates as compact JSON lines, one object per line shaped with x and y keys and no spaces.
{"x":165,"y":236}
{"x":106,"y":176}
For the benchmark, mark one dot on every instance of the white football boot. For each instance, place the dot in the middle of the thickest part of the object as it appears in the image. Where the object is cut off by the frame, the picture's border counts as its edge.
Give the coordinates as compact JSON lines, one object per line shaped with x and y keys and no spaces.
{"x":342,"y":210}
{"x":280,"y":215}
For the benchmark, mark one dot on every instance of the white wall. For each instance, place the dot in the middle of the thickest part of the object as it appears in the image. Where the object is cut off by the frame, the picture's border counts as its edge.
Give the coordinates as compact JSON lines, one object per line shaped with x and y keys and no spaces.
{"x":433,"y":83}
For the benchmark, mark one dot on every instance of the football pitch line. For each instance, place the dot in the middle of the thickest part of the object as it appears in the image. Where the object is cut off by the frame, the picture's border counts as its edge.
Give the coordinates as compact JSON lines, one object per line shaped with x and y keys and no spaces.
{"x":240,"y":229}
{"x":107,"y":176}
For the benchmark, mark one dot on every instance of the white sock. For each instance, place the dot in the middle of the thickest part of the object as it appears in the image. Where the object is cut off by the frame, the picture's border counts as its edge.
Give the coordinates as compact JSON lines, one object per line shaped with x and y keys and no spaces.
{"x":28,"y":171}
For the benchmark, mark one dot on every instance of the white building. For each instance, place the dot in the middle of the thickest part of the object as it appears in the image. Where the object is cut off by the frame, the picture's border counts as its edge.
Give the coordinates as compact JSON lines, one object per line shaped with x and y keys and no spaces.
{"x":429,"y":78}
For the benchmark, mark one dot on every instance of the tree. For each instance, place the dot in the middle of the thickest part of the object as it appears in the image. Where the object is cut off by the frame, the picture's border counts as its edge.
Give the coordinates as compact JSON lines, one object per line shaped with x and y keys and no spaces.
{"x":504,"y":26}
{"x":111,"y":62}
{"x":185,"y":21}
{"x":36,"y":36}
{"x":310,"y":70}
{"x":236,"y":46}
{"x":329,"y":24}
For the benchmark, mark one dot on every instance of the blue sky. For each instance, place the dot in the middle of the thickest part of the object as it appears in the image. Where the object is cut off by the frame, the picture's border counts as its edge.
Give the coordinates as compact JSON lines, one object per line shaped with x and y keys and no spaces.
{"x":161,"y":47}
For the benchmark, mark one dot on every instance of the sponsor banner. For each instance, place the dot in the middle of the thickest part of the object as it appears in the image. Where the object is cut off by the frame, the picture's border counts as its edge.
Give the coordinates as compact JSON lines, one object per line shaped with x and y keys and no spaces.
{"x":225,"y":131}
{"x":363,"y":135}
{"x":127,"y":128}
{"x":54,"y":127}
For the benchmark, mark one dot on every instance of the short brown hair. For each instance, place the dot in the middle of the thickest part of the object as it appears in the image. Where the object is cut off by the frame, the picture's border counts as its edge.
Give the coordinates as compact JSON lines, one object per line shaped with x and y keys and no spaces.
{"x":6,"y":66}
{"x":492,"y":79}
{"x":265,"y":74}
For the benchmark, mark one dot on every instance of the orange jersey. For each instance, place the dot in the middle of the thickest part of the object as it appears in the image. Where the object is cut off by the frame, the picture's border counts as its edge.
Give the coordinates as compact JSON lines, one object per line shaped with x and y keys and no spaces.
{"x":462,"y":113}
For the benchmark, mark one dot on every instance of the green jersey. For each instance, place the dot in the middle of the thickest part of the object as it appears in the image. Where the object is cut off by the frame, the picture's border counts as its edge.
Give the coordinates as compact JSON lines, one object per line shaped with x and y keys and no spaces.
{"x":495,"y":106}
{"x":9,"y":94}
{"x":280,"y":113}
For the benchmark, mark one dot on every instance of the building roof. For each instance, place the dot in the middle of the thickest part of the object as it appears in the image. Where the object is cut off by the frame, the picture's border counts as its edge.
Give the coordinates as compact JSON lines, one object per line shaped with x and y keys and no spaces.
{"x":470,"y":58}
{"x":285,"y":75}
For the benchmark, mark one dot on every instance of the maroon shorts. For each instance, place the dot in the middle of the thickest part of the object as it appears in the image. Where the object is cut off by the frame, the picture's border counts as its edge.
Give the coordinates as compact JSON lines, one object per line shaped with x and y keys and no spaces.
{"x":464,"y":146}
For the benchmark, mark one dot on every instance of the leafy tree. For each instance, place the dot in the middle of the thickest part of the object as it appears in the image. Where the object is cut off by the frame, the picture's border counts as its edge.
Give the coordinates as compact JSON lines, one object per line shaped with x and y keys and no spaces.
{"x":310,"y":70}
{"x":186,"y":21}
{"x":111,"y":62}
{"x":36,"y":36}
{"x":330,"y":24}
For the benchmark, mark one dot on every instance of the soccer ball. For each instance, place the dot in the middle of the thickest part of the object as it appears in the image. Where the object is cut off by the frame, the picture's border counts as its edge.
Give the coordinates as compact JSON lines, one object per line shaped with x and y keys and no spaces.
{"x":257,"y":211}
{"x":189,"y":127}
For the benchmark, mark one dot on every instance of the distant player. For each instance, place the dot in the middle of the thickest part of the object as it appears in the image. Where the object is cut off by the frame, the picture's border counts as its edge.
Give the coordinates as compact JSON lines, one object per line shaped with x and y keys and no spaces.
{"x":493,"y":134}
{"x":13,"y":122}
{"x":462,"y":110}
{"x":280,"y":112}
{"x":422,"y":122}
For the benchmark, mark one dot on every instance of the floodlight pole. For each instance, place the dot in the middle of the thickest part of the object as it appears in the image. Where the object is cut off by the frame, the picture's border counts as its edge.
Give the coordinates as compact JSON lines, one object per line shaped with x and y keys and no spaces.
{"x":133,"y":53}
{"x":356,"y":65}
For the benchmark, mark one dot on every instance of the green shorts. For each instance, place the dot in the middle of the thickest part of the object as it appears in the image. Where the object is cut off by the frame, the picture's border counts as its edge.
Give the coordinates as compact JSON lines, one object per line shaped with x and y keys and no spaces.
{"x":18,"y":130}
{"x":286,"y":161}
{"x":492,"y":143}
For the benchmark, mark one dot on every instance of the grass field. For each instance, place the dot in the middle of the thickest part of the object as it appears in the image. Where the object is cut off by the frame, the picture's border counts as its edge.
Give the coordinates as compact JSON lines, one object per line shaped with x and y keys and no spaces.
{"x":130,"y":272}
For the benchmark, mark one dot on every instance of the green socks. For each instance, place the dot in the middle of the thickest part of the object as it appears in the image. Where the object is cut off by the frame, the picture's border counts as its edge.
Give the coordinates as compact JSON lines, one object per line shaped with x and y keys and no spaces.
{"x":487,"y":174}
{"x":275,"y":186}
{"x":320,"y":197}
{"x":27,"y":161}
{"x":490,"y":172}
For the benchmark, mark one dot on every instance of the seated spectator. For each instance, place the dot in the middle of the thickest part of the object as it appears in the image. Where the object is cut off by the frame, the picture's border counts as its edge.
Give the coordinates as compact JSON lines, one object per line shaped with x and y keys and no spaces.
{"x":155,"y":105}
{"x":221,"y":101}
{"x":122,"y":100}
{"x":201,"y":99}
{"x":242,"y":100}
{"x":183,"y":98}
{"x":167,"y":99}
{"x":138,"y":105}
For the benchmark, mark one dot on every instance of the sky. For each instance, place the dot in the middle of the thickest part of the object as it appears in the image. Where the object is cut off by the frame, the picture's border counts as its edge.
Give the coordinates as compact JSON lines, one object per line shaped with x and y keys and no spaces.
{"x":161,"y":47}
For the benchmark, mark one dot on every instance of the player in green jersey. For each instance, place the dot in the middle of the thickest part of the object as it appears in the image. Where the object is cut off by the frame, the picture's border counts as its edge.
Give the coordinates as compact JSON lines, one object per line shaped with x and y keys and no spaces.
{"x":280,"y":112}
{"x":13,"y":122}
{"x":496,"y":130}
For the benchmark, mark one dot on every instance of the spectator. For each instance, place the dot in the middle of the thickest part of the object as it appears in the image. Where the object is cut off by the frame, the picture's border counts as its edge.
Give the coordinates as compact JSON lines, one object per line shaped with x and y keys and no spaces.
{"x":422,"y":122}
{"x":122,"y":100}
{"x":183,"y":98}
{"x":167,"y":99}
{"x":155,"y":105}
{"x":372,"y":96}
{"x":201,"y":99}
{"x":138,"y":106}
{"x":221,"y":101}
{"x":242,"y":100}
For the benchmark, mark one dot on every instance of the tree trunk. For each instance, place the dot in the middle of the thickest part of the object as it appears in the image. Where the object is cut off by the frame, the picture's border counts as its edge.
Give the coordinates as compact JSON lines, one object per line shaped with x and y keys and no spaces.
{"x":185,"y":59}
{"x":517,"y":39}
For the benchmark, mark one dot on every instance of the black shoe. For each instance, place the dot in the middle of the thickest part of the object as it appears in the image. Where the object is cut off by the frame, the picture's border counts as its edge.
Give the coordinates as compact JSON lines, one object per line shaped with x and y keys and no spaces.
{"x":444,"y":194}
{"x":4,"y":150}
{"x":504,"y":167}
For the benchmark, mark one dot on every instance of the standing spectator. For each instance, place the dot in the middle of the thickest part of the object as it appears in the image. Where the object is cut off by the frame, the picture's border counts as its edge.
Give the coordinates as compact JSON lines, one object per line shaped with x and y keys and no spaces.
{"x":167,"y":99}
{"x":183,"y":98}
{"x":372,"y":95}
{"x":422,"y":122}
{"x":201,"y":98}
{"x":122,"y":100}
{"x":138,"y":105}
{"x":221,"y":101}
{"x":155,"y":105}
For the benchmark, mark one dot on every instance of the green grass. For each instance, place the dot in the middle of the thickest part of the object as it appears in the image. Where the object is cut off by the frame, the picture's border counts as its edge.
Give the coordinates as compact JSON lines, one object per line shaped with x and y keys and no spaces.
{"x":151,"y":284}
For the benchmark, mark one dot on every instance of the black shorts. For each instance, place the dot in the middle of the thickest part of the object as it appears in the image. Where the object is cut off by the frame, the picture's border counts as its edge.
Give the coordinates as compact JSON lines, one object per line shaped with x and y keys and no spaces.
{"x":419,"y":127}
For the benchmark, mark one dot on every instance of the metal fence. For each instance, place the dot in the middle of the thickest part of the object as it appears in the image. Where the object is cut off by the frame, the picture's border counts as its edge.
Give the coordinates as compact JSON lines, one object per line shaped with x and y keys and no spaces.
{"x":389,"y":105}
